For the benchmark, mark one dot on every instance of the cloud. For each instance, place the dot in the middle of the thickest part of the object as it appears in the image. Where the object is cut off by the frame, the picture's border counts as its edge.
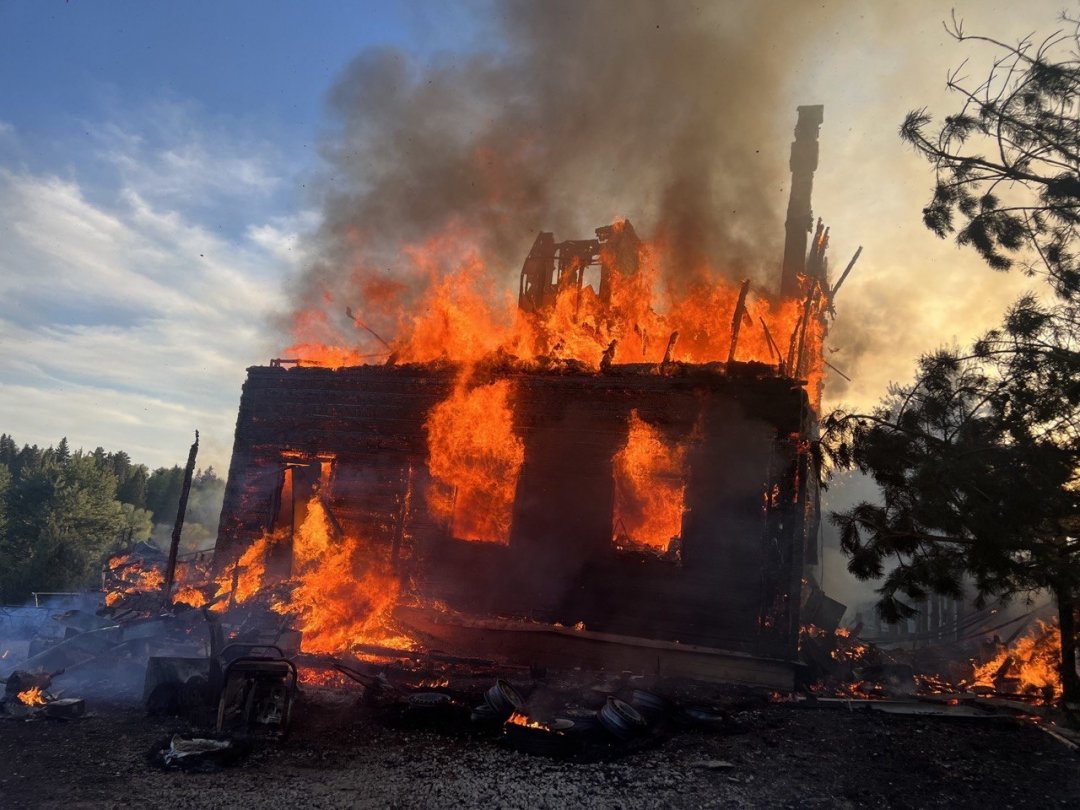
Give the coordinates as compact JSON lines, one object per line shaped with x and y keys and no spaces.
{"x":281,"y":237}
{"x":171,"y":153}
{"x":128,"y":319}
{"x":187,"y":173}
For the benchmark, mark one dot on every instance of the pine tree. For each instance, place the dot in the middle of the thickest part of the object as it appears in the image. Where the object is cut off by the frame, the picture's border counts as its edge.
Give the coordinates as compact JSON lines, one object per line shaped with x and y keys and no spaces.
{"x":1007,"y":163}
{"x":978,"y":462}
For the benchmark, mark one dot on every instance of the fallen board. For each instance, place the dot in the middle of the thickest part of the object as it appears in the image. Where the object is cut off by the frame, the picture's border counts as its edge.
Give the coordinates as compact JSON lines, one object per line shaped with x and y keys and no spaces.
{"x":554,"y":647}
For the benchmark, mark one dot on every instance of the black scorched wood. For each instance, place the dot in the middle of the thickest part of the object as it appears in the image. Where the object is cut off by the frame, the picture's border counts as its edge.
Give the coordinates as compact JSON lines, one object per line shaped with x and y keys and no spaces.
{"x":178,"y":527}
{"x":746,"y":493}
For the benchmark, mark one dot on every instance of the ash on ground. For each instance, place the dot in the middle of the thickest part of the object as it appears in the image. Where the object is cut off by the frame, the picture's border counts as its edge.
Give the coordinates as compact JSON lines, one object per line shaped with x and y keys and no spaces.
{"x":345,"y":752}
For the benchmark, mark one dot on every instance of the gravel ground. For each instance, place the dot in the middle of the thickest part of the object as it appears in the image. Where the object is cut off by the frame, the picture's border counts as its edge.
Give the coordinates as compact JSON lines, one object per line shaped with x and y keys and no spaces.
{"x":342,"y":754}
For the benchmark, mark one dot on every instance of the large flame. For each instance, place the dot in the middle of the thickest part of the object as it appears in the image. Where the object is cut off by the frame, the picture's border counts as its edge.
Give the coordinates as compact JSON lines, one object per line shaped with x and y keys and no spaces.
{"x":474,"y":457}
{"x":1034,"y":659}
{"x":340,"y":593}
{"x":446,"y":303}
{"x":650,"y":488}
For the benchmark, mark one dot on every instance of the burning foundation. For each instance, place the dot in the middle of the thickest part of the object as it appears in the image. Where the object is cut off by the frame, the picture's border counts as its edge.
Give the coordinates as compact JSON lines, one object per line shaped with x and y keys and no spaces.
{"x":595,"y":480}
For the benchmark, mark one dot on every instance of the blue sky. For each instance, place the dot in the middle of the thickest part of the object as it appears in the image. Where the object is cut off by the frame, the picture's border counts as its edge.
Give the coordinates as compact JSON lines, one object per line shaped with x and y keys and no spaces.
{"x":156,"y":167}
{"x":82,"y":73}
{"x":261,"y":64}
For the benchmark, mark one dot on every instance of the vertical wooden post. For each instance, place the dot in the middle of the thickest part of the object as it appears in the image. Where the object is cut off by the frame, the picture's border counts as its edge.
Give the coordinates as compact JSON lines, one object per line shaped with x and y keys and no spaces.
{"x":737,"y":319}
{"x":800,"y":218}
{"x":174,"y":547}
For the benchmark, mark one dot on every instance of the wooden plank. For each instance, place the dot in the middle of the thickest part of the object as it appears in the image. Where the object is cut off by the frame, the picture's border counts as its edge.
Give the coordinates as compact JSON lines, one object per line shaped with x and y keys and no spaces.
{"x":526,"y":643}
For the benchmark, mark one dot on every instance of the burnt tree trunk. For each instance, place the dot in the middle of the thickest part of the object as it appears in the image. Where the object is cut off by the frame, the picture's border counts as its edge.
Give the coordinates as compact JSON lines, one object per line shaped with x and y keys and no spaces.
{"x":1070,"y":681}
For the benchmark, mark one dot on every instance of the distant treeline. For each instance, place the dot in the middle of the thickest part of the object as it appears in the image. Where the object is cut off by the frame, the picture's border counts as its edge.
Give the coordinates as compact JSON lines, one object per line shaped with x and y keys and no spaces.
{"x":62,"y":512}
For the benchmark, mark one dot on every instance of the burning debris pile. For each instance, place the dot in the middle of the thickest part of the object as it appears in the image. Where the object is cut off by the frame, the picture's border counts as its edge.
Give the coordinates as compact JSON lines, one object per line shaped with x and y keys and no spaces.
{"x":27,"y":696}
{"x":1030,"y":666}
{"x":133,"y":582}
{"x":1027,"y":668}
{"x":566,"y":715}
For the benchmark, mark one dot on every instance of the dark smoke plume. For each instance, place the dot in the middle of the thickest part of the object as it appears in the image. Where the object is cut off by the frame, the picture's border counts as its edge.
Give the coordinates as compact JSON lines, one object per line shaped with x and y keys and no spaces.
{"x":575,"y":113}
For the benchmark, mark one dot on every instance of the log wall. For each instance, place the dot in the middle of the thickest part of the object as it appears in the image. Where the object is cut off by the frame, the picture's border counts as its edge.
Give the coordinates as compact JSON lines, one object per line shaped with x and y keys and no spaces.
{"x":743,"y":533}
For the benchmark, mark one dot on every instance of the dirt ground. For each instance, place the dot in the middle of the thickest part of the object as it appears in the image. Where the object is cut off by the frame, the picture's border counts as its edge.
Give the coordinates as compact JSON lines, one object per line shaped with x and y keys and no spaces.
{"x":344,"y":754}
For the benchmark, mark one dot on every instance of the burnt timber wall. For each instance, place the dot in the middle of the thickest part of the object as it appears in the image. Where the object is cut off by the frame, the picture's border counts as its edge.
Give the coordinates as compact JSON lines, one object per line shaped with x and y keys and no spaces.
{"x":738,"y":580}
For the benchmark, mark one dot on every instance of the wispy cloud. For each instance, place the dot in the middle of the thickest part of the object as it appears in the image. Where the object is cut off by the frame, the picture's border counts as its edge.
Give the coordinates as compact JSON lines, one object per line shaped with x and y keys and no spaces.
{"x":168,"y":152}
{"x":128,"y":318}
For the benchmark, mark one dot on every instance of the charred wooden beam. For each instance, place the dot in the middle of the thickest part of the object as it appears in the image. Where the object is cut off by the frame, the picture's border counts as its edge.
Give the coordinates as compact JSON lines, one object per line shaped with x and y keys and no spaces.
{"x":737,"y":319}
{"x":669,"y":352}
{"x":178,"y":527}
{"x":800,"y":219}
{"x":609,"y":356}
{"x":772,"y":344}
{"x":844,"y":275}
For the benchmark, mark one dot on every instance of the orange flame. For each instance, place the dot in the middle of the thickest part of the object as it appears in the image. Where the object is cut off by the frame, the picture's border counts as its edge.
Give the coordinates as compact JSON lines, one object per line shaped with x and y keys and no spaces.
{"x":341,"y":593}
{"x":128,"y":575}
{"x":32,"y":697}
{"x":189,"y":595}
{"x":519,"y":719}
{"x":446,"y":304}
{"x":650,"y":488}
{"x":248,"y":571}
{"x":1035,"y":656}
{"x":474,"y":458}
{"x":310,"y":676}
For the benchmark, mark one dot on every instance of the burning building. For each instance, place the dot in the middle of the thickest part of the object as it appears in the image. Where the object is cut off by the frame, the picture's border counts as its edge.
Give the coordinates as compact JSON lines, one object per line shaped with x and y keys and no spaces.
{"x":609,"y":487}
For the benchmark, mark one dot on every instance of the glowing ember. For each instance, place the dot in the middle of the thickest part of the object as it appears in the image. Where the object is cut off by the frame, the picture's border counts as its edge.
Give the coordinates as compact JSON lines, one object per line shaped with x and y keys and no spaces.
{"x":519,"y":719}
{"x":434,"y":684}
{"x":650,"y":488}
{"x":32,"y":697}
{"x":1033,"y":658}
{"x":934,"y":685}
{"x":474,"y":459}
{"x":848,"y":648}
{"x":310,"y":676}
